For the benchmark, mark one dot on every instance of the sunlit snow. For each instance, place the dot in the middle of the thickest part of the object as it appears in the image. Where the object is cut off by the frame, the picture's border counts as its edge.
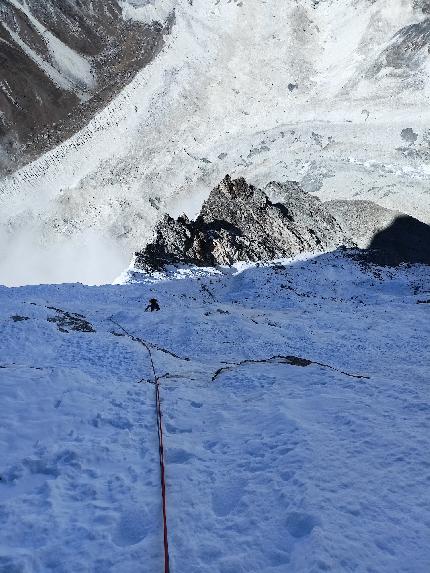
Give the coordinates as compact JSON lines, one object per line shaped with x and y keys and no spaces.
{"x":295,"y":401}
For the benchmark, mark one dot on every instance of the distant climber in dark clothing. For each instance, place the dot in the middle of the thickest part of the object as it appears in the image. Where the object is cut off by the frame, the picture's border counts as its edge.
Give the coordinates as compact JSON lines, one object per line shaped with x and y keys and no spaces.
{"x":153,"y":305}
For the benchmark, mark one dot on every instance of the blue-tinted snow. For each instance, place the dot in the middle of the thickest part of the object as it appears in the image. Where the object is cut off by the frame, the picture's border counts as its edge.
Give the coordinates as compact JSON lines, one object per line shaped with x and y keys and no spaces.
{"x":270,"y":468}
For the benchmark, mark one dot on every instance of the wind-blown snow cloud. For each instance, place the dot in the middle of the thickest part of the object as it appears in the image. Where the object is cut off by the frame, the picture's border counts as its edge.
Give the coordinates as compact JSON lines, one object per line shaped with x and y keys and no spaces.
{"x":90,"y":258}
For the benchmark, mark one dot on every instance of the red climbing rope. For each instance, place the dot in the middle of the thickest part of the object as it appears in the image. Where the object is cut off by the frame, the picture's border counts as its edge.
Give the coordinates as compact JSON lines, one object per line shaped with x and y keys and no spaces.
{"x":161,"y":453}
{"x":162,"y":474}
{"x":160,"y":444}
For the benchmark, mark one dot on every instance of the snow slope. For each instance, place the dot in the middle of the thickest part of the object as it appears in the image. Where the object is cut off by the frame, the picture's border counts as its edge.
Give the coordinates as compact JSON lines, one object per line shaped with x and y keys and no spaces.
{"x":271,"y":466}
{"x":321,"y":92}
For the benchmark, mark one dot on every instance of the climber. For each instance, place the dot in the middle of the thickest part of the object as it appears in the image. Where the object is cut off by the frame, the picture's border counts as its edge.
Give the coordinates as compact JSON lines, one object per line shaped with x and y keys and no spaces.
{"x":153,"y":305}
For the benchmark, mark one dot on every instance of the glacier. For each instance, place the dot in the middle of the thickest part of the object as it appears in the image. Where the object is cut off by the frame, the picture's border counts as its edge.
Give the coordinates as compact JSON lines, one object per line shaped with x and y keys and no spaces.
{"x":320,"y":92}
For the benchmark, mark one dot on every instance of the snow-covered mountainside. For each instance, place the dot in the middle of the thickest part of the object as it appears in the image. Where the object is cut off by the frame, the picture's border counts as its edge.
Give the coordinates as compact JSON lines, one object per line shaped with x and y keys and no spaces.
{"x":61,"y":62}
{"x":296,"y":421}
{"x":331,"y":94}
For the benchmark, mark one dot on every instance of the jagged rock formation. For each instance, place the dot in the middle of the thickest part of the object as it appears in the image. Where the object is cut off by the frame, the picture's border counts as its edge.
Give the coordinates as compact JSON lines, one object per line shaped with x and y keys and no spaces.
{"x":309,"y":210}
{"x":239,"y":222}
{"x":61,"y":62}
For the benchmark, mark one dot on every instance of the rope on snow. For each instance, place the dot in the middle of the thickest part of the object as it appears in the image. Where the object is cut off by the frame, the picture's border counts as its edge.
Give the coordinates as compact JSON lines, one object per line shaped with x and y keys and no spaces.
{"x":156,"y":383}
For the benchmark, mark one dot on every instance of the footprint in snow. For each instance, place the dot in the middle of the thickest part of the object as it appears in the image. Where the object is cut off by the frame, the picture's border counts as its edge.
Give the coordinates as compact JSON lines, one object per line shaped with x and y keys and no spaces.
{"x":300,"y":524}
{"x":174,"y":430}
{"x":226,"y":498}
{"x":178,"y":456}
{"x":287,"y":475}
{"x":133,"y":526}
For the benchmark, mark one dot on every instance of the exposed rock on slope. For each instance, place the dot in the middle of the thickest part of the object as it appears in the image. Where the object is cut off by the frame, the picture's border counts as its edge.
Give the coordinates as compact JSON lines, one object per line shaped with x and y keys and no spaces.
{"x":239,"y":222}
{"x":389,"y":237}
{"x":361,"y":219}
{"x":60,"y":62}
{"x":308,"y":209}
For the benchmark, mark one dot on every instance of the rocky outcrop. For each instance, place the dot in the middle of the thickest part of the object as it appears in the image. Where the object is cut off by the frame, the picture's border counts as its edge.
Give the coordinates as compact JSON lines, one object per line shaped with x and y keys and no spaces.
{"x":309,"y":211}
{"x":239,"y":222}
{"x":386,"y":237}
{"x":360,"y":219}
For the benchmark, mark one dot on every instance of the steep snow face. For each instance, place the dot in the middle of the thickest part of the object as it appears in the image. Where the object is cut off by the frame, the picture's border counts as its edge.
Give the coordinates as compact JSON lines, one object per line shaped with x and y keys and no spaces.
{"x":332,"y":94}
{"x":310,"y":455}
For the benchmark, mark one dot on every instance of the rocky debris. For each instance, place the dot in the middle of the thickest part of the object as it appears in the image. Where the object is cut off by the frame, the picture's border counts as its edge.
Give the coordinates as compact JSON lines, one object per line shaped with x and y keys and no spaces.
{"x":18,"y":318}
{"x":409,"y":135}
{"x":67,"y":321}
{"x":239,"y":222}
